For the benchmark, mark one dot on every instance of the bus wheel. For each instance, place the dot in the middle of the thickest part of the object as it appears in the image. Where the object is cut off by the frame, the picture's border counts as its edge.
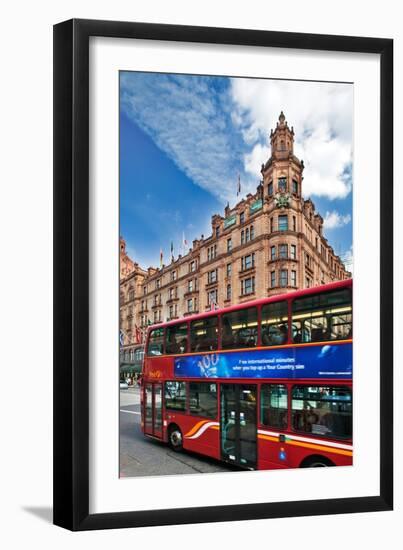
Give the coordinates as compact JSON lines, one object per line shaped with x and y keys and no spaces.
{"x":316,"y":461}
{"x":175,"y":438}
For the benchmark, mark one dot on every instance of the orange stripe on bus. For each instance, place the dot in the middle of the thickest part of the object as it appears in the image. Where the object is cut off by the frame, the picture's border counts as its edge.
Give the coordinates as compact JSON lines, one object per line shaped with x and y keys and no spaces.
{"x":319,"y":447}
{"x":195,"y":428}
{"x":268,"y":437}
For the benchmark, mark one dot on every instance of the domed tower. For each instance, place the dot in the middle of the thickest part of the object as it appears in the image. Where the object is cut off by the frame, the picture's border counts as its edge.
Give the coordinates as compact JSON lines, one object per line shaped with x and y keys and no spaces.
{"x":282,"y":173}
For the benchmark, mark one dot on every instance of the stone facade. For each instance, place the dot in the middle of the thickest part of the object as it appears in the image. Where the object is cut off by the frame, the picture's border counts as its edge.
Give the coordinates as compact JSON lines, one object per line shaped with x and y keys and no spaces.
{"x":269,"y":243}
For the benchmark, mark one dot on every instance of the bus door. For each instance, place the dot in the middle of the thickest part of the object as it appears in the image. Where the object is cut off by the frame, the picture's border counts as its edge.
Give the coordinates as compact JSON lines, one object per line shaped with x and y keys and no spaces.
{"x":153,"y":409}
{"x":238,"y":424}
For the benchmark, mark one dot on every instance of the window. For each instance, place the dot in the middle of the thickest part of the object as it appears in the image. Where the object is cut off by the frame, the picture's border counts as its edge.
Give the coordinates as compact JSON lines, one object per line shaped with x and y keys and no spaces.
{"x":158,"y":283}
{"x":271,"y":225}
{"x":293,"y":278}
{"x":274,"y":405}
{"x":242,"y":237}
{"x":274,"y":323}
{"x":308,"y":282}
{"x":190,"y":285}
{"x":293,"y":252}
{"x":229,"y":270}
{"x":211,"y":252}
{"x":144,"y":290}
{"x":273,"y":252}
{"x":252,"y":232}
{"x":172,"y":293}
{"x":229,"y":245}
{"x":204,"y":334}
{"x":247,"y":235}
{"x":155,"y":341}
{"x":322,"y":410}
{"x":283,"y":222}
{"x":270,"y":189}
{"x":217,"y":231}
{"x":241,"y":217}
{"x":294,"y":223}
{"x":248,"y":261}
{"x":212,"y":297}
{"x":192,"y":266}
{"x":190,"y":305}
{"x":212,"y":276}
{"x":322,"y":317}
{"x":131,"y":294}
{"x":173,"y":275}
{"x":248,"y":286}
{"x":282,"y":185}
{"x":175,"y":396}
{"x":171,"y":312}
{"x":283,"y":277}
{"x":239,"y":329}
{"x":229,"y":292}
{"x":273,"y":279}
{"x":283,"y":251}
{"x":203,"y":399}
{"x":176,"y":339}
{"x":295,"y":187}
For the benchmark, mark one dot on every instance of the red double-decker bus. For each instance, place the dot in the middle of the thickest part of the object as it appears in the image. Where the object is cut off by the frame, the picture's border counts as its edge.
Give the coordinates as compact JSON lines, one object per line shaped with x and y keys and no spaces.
{"x":261,"y":385}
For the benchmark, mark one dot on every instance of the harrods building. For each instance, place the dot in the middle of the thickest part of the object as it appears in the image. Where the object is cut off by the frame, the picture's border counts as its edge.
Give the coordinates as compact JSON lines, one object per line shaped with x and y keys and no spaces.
{"x":269,"y":243}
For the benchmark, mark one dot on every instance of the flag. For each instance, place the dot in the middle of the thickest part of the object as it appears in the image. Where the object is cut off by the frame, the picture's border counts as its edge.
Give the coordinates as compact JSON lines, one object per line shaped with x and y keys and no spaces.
{"x":161,"y":258}
{"x":184,"y":243}
{"x":137,"y":334}
{"x":239,"y":185}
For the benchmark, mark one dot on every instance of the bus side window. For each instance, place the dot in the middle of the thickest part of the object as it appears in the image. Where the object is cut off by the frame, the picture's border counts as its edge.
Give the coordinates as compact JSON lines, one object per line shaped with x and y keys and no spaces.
{"x":239,"y":329}
{"x":156,"y":342}
{"x":176,"y":340}
{"x":321,"y":317}
{"x":204,"y":334}
{"x":274,"y":405}
{"x":274,"y":324}
{"x":322,"y":410}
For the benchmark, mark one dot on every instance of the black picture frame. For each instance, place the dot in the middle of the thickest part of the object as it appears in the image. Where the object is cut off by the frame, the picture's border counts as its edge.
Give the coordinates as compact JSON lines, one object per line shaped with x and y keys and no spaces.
{"x":71,"y":273}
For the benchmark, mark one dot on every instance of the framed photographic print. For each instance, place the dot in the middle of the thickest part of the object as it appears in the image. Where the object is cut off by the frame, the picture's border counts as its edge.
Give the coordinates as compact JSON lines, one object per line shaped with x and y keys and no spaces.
{"x":216,"y":193}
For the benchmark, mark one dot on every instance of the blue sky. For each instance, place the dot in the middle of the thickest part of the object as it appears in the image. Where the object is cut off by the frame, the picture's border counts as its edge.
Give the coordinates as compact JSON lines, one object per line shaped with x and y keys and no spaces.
{"x":184,"y":140}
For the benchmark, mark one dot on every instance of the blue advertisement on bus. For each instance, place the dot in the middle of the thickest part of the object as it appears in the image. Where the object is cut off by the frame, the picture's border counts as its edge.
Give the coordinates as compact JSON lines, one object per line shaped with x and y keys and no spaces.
{"x":327,"y":361}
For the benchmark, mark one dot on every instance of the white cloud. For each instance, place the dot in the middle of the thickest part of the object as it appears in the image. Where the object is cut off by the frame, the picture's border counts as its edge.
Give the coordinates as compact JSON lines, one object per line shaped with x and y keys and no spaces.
{"x":321,"y":114}
{"x":187,"y":121}
{"x":333,"y":220}
{"x":213,"y":132}
{"x":347,"y":259}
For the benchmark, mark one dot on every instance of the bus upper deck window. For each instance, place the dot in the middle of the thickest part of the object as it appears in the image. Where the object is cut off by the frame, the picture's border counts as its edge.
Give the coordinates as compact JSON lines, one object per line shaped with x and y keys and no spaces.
{"x":177,"y":338}
{"x":204,"y":334}
{"x":239,"y":329}
{"x":275,"y":324}
{"x":156,"y":342}
{"x":321,"y":317}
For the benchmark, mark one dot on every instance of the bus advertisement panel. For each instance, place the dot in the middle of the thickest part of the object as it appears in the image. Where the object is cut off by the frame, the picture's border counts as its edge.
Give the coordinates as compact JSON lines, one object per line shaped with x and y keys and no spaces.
{"x":327,"y":361}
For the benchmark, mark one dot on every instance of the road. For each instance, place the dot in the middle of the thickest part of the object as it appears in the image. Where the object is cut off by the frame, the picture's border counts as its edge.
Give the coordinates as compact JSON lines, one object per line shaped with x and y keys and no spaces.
{"x":141,"y":456}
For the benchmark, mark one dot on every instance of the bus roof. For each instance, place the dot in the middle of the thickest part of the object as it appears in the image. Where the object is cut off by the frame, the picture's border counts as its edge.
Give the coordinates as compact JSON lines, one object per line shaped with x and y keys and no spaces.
{"x":347,"y":283}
